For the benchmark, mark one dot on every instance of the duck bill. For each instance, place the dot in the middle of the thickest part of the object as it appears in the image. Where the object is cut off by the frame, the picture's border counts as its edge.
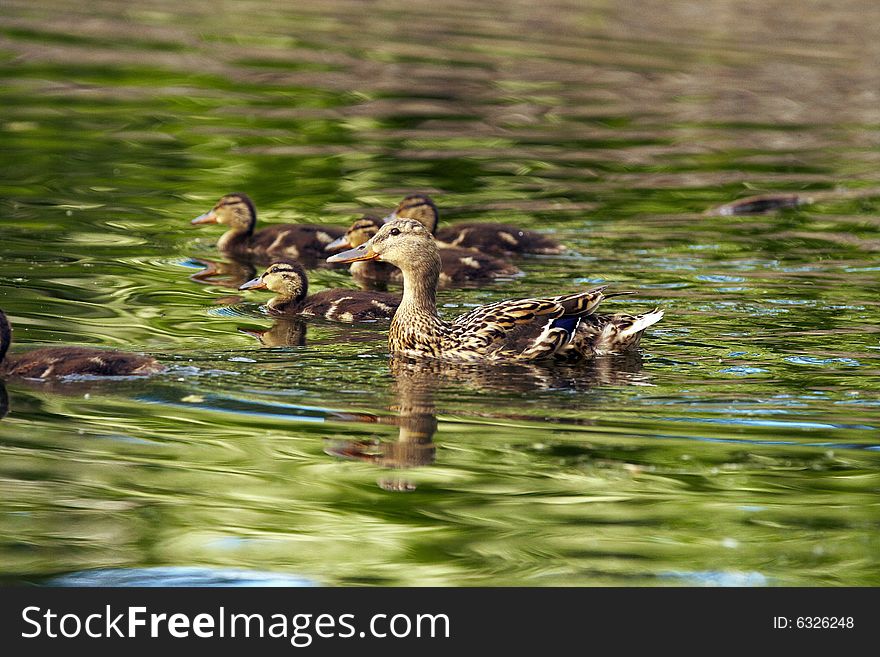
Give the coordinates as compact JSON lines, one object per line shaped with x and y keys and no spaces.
{"x":362,"y":252}
{"x":207,"y":218}
{"x":339,"y":243}
{"x":254,"y":284}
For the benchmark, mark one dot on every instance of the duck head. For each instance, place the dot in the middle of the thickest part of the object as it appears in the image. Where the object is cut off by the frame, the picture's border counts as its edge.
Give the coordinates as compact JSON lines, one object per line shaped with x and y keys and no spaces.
{"x":401,"y":242}
{"x":361,"y":231}
{"x":236,"y":211}
{"x":286,"y":278}
{"x":419,"y":207}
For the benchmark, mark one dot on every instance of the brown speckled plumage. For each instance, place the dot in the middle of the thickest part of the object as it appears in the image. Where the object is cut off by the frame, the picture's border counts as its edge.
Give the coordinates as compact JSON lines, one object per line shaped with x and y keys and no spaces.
{"x":301,"y":241}
{"x":522,"y":329}
{"x":491,"y":238}
{"x":53,"y":362}
{"x":288,"y":280}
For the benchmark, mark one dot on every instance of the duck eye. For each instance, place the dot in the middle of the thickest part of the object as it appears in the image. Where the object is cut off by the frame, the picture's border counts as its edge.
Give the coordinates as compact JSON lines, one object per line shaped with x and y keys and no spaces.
{"x":394,"y":231}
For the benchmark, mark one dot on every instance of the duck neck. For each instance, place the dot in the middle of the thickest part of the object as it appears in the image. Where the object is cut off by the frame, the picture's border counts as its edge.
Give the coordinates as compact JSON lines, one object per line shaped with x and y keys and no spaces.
{"x":416,"y":322}
{"x":283,"y":305}
{"x":235,"y":239}
{"x":289,"y":302}
{"x":5,"y":336}
{"x":420,"y":287}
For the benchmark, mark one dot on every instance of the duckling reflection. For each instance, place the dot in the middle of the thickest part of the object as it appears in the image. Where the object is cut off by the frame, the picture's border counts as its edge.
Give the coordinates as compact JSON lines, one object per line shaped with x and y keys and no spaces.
{"x":284,"y":332}
{"x":223,"y":274}
{"x":415,"y":382}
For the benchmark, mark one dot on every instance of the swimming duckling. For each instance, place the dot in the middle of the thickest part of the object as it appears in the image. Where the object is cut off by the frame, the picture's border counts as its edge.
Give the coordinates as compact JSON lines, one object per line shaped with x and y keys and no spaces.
{"x":548,"y":328}
{"x":51,"y":362}
{"x":457,"y":266}
{"x":492,"y":238}
{"x":288,"y":279}
{"x":300,"y":241}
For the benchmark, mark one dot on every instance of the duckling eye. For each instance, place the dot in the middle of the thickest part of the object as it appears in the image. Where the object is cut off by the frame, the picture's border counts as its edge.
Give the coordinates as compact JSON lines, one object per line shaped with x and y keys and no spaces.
{"x":394,"y":231}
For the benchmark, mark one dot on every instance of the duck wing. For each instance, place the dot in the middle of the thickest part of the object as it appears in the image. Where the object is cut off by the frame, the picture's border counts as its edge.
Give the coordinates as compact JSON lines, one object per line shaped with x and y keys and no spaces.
{"x":601,"y":335}
{"x":307,"y":241}
{"x":499,"y":239}
{"x":351,"y":305}
{"x":461,"y":265}
{"x":527,"y":329}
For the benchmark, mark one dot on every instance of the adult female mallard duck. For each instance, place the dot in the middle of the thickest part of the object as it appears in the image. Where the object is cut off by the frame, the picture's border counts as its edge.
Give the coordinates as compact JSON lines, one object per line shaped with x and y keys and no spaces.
{"x":492,"y":238}
{"x":557,"y":328}
{"x":52,"y":362}
{"x":289,"y":281}
{"x":457,"y":266}
{"x":238,"y":213}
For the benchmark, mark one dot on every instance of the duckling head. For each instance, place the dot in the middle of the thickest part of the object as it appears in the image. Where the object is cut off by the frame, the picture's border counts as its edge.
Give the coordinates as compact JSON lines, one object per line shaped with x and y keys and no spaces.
{"x":405,"y":243}
{"x":286,"y":278}
{"x":419,"y":207}
{"x":361,"y":231}
{"x":234,"y":210}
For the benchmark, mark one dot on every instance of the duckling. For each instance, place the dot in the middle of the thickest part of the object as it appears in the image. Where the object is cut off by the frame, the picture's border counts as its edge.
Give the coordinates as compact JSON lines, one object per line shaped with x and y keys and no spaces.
{"x":548,"y":328}
{"x":51,"y":362}
{"x":300,"y":241}
{"x":457,"y":266}
{"x":492,"y":238}
{"x":288,"y":279}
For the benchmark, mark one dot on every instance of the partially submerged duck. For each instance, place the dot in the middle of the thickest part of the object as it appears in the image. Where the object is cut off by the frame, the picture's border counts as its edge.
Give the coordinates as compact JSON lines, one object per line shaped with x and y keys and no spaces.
{"x":457,"y":266}
{"x":552,"y":328}
{"x":52,"y":362}
{"x":492,"y":238}
{"x":289,"y":281}
{"x":238,"y":213}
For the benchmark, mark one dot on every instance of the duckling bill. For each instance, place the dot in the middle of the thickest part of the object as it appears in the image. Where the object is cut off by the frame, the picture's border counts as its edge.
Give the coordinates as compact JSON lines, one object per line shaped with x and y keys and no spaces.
{"x":239,"y":214}
{"x":561,"y":328}
{"x":53,"y":362}
{"x":289,"y":281}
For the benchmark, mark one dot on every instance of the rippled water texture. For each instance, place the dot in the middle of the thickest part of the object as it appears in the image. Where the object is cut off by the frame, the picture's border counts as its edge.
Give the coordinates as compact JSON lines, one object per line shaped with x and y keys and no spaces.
{"x":740,"y":448}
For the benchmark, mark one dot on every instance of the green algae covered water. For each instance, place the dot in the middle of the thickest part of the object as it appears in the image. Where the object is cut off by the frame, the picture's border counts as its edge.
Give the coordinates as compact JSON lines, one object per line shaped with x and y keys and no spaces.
{"x":740,"y":447}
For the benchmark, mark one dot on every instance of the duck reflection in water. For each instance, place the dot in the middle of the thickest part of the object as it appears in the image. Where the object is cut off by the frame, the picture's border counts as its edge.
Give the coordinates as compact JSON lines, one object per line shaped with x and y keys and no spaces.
{"x":415,"y":383}
{"x":416,"y":421}
{"x":231,"y":274}
{"x":284,"y":332}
